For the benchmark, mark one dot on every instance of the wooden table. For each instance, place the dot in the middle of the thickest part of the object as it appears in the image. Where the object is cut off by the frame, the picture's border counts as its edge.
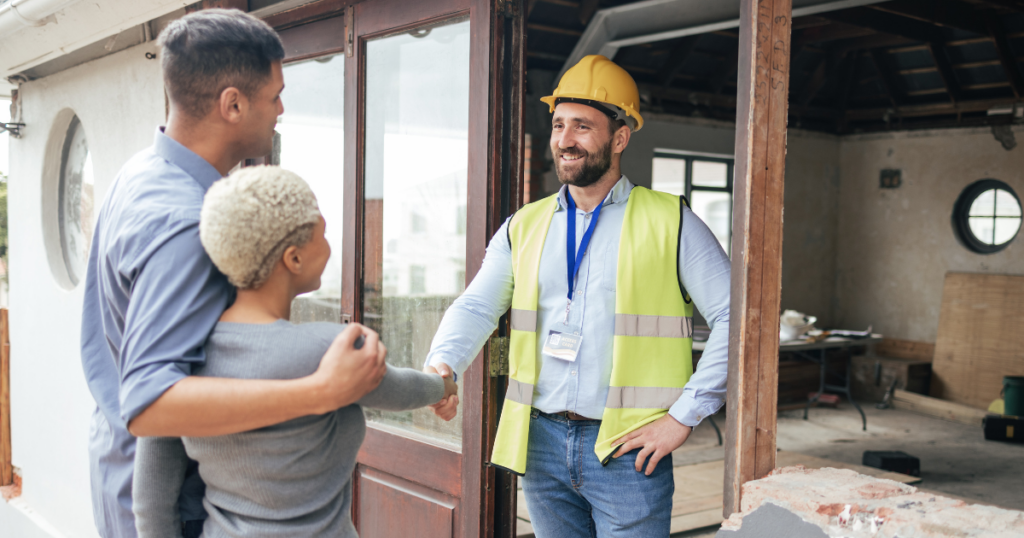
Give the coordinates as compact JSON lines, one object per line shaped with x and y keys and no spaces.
{"x":816,"y":353}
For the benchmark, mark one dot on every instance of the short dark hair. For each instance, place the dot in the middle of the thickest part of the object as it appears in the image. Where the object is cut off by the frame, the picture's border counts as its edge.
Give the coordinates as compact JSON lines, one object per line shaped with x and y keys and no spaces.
{"x":206,"y":52}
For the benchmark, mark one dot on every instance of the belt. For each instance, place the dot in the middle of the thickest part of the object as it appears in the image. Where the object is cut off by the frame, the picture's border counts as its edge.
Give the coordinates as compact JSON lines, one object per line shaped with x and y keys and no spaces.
{"x":567,"y":415}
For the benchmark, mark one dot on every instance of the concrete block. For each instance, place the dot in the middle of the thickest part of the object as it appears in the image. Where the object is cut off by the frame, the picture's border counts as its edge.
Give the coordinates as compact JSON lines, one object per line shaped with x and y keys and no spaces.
{"x":842,"y":503}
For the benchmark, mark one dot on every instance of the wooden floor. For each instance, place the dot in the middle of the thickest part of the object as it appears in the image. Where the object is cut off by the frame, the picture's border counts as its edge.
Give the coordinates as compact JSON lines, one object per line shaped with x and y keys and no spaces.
{"x":697,"y":502}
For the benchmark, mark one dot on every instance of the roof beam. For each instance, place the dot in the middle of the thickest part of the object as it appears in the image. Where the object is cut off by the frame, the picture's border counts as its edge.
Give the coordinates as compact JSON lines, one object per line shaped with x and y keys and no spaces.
{"x":850,"y":75}
{"x":1015,"y":5}
{"x":1010,"y":65}
{"x":885,"y":77}
{"x":587,"y":10}
{"x":876,"y":41}
{"x":945,"y":67}
{"x":886,"y":23}
{"x":674,"y":63}
{"x":553,"y":29}
{"x":938,"y":12}
{"x":931,"y":109}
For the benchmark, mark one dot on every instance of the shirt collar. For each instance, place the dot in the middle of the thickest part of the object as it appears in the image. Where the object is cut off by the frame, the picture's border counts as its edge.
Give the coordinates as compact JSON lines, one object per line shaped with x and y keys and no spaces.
{"x":173,"y":152}
{"x":618,"y":195}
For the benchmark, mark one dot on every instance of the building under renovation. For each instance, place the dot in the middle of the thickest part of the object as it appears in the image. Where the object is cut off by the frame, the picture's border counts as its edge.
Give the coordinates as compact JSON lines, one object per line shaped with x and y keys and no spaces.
{"x":860,"y":161}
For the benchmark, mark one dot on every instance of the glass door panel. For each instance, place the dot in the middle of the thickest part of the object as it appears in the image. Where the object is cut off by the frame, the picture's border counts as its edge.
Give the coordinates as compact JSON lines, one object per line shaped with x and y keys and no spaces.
{"x":415,"y":183}
{"x":312,"y":132}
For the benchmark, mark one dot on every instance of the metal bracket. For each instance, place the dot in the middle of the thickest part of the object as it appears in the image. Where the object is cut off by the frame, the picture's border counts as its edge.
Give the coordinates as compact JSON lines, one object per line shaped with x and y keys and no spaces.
{"x":350,"y":31}
{"x":508,"y":8}
{"x":497,"y":355}
{"x":13,"y":128}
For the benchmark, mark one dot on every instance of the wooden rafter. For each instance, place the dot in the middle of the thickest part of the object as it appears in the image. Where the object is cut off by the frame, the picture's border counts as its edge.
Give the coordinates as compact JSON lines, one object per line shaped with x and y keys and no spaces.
{"x":945,"y":68}
{"x":587,"y":10}
{"x":1010,"y":65}
{"x":815,"y":81}
{"x":937,"y":12}
{"x":930,"y":109}
{"x":876,"y":41}
{"x":885,"y":77}
{"x":553,"y":29}
{"x":887,"y":23}
{"x":680,"y":52}
{"x":850,"y":77}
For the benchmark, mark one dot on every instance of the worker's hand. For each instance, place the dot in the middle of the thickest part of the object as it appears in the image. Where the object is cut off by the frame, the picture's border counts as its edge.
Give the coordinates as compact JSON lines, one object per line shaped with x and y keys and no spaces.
{"x":657,"y":440}
{"x":449,"y":405}
{"x":347,"y":374}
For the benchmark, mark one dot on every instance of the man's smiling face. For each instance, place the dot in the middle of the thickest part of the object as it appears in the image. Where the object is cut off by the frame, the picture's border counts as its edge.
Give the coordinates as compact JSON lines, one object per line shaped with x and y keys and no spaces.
{"x":581,"y":143}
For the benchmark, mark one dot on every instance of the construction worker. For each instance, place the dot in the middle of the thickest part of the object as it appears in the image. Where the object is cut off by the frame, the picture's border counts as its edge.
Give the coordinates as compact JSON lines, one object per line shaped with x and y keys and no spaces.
{"x":602,"y":279}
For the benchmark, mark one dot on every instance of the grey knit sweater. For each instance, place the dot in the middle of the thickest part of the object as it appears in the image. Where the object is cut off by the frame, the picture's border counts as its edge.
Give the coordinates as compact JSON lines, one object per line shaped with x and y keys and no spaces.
{"x":292,"y":479}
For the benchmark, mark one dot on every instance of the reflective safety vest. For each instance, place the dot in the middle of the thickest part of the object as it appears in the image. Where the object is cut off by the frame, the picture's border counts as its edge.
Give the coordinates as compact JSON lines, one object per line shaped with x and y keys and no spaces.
{"x":653,"y":339}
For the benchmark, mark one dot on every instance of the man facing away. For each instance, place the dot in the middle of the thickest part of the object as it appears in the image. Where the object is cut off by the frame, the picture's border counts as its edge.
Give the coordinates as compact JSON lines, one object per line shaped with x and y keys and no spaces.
{"x":599,"y":278}
{"x":152,"y":294}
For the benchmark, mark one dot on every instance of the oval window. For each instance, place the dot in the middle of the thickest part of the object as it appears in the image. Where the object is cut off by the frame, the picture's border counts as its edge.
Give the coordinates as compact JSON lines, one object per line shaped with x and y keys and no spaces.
{"x":987,"y":216}
{"x":75,"y":203}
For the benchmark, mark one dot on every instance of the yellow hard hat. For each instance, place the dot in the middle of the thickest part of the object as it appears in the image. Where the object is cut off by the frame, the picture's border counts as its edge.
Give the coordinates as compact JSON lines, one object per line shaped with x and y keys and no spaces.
{"x":598,"y":79}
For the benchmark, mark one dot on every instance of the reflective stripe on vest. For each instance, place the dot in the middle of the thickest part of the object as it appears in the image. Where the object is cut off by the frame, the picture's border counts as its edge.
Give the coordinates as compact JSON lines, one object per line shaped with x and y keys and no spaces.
{"x":651,"y":355}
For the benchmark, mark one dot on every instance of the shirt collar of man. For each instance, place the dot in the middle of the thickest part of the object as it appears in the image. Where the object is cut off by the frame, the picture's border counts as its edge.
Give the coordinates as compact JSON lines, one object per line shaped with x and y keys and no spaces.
{"x":173,"y":152}
{"x":618,"y":195}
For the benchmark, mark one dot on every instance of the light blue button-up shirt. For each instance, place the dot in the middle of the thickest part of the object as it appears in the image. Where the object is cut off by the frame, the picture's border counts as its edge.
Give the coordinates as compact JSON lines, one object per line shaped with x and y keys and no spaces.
{"x":152,"y":297}
{"x":581,"y":386}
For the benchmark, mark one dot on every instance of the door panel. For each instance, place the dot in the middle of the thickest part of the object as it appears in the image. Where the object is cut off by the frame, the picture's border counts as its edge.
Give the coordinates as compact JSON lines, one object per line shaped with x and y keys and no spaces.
{"x":398,"y":505}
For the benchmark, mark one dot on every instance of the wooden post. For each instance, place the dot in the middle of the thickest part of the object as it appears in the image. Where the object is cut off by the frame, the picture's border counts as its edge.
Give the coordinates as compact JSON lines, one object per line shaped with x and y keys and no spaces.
{"x":6,"y":468}
{"x":762,"y":104}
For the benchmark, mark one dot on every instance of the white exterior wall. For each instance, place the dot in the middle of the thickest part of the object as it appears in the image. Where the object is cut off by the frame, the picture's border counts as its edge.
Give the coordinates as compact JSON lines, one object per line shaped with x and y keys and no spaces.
{"x":120,"y":101}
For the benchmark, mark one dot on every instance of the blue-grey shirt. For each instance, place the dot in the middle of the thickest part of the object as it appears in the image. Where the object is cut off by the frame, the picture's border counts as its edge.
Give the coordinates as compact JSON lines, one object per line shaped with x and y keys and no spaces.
{"x":582,"y":386}
{"x":152,"y":297}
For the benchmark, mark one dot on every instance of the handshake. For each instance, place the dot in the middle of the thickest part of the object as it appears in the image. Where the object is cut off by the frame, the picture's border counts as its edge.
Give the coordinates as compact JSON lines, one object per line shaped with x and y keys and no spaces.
{"x":448,"y":405}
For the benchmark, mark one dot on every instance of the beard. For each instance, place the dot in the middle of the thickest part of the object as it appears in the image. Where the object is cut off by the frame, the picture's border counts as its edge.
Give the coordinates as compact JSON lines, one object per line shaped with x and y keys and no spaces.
{"x":594,"y":166}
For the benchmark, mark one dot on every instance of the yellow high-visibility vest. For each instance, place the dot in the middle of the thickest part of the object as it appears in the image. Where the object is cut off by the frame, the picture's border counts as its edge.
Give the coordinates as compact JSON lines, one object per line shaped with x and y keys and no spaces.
{"x":653,"y":339}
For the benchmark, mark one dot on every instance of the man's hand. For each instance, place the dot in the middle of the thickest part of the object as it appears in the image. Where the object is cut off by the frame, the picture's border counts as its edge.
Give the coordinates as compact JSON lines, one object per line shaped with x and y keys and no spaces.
{"x":449,"y":405}
{"x":657,"y":440}
{"x":347,"y":374}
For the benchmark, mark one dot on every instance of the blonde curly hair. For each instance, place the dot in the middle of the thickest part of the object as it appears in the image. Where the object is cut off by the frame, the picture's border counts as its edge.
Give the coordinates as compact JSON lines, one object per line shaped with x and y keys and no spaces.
{"x":251,"y":217}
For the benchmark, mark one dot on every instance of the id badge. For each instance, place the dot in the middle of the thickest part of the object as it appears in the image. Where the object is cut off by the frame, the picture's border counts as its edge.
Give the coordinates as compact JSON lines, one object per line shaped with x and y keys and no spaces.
{"x":562,"y":345}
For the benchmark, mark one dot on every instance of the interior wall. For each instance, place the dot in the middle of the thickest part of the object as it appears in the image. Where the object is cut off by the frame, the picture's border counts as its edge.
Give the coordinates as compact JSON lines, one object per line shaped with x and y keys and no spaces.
{"x":895,"y":246}
{"x":119,"y":100}
{"x":811,"y":199}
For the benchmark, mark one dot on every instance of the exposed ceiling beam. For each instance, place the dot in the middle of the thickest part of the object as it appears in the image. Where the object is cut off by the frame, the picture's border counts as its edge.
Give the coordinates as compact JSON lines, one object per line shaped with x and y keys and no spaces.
{"x":694,"y":98}
{"x":887,"y":23}
{"x":885,"y":77}
{"x":816,"y":80}
{"x":1016,"y":5}
{"x":680,"y":52}
{"x":938,"y":12}
{"x":553,"y":29}
{"x":1010,"y":65}
{"x":946,"y":72}
{"x":876,"y":41}
{"x":930,"y":109}
{"x":587,"y":10}
{"x":830,"y":32}
{"x":850,"y":75}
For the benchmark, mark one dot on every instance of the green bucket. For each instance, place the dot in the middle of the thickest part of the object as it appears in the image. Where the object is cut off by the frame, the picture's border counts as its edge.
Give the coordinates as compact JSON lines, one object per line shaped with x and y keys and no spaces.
{"x":1013,"y":395}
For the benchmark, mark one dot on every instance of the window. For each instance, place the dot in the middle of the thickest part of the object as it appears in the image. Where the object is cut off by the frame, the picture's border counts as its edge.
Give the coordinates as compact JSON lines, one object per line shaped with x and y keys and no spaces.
{"x":75,"y":201}
{"x":417,"y":279}
{"x":987,"y":216}
{"x":705,"y":180}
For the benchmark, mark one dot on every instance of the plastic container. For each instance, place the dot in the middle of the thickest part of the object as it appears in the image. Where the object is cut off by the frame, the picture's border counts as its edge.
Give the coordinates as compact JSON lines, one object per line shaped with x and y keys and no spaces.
{"x":1013,"y":395}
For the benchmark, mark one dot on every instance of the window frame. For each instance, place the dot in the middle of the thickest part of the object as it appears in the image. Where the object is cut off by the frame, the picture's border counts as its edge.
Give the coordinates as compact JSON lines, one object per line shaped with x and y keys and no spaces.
{"x":689,"y":157}
{"x":961,"y":216}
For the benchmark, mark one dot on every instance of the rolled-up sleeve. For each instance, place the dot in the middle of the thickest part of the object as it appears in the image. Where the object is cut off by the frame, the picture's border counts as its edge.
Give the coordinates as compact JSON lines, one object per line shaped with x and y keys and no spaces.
{"x":474,"y":315}
{"x":704,"y":271}
{"x":177,"y":297}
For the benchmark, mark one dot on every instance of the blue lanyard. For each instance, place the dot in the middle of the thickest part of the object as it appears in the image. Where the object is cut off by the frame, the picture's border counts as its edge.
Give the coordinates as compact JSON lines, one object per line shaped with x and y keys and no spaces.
{"x":574,"y":258}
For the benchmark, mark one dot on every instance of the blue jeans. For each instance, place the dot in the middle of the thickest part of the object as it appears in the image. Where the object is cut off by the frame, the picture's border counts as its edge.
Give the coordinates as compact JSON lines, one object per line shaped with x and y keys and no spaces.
{"x":570,"y":494}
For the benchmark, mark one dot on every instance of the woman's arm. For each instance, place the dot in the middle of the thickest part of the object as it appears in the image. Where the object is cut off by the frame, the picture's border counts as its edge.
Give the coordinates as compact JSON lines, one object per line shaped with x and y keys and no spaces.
{"x":405,"y":388}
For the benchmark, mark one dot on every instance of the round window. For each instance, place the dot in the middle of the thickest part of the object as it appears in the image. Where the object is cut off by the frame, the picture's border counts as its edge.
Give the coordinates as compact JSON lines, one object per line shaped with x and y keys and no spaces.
{"x":987,"y":216}
{"x":75,"y":204}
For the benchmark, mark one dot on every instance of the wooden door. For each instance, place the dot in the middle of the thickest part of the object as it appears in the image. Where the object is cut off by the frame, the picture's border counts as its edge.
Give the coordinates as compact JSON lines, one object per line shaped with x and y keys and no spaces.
{"x":428,"y":178}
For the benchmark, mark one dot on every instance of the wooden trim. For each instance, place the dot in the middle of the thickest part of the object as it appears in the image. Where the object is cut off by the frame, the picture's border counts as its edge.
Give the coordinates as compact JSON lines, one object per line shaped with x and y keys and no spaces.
{"x":308,"y":13}
{"x":6,"y":467}
{"x":326,"y":36}
{"x":757,"y":243}
{"x":905,"y":349}
{"x":403,"y":456}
